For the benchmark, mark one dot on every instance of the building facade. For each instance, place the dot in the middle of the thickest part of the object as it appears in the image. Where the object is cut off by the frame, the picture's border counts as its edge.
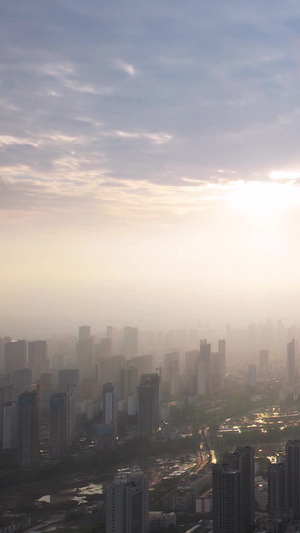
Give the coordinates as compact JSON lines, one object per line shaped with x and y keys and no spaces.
{"x":127,"y":503}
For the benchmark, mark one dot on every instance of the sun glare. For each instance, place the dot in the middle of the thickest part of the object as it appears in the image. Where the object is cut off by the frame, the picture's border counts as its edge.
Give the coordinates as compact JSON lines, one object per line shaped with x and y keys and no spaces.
{"x":264,"y":198}
{"x":284,"y":175}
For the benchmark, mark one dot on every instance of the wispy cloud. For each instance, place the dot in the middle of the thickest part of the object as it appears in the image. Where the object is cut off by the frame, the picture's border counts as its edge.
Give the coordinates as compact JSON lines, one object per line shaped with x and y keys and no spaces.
{"x":125,"y":67}
{"x":155,"y":138}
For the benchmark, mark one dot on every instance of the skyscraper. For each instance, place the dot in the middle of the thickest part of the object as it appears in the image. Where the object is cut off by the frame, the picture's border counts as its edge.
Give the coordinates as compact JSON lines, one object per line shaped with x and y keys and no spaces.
{"x":222,"y":356}
{"x":110,"y":406}
{"x":15,"y":356}
{"x":263,"y":363}
{"x":252,"y":375}
{"x":68,"y":381}
{"x":277,"y":489}
{"x":37,"y":358}
{"x":28,"y":429}
{"x":148,"y":404}
{"x":84,"y":332}
{"x":59,"y":425}
{"x":191,"y":370}
{"x":226,"y":499}
{"x":10,"y":426}
{"x":204,"y":367}
{"x":22,"y":380}
{"x":127,"y":503}
{"x":291,"y":361}
{"x":130,"y":342}
{"x":171,"y":372}
{"x":233,"y":492}
{"x":86,"y":357}
{"x":292,"y":455}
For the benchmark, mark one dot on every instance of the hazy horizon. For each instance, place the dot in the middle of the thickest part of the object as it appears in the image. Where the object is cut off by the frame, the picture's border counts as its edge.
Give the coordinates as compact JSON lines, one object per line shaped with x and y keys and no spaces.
{"x":149,"y":163}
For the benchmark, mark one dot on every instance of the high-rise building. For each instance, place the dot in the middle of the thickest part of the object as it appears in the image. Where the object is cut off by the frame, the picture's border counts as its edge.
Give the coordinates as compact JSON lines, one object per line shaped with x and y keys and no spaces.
{"x":277,"y":489}
{"x":109,"y":370}
{"x":110,"y":407}
{"x":292,"y":455}
{"x":143,"y":365}
{"x":130,"y":342}
{"x":216,"y":373}
{"x":22,"y":380}
{"x":37,"y":358}
{"x":7,"y":395}
{"x":128,"y":382}
{"x":15,"y":356}
{"x":174,"y":378}
{"x":127,"y":503}
{"x":171,"y":372}
{"x":222,"y":357}
{"x":84,"y":332}
{"x":68,"y":381}
{"x":191,"y":370}
{"x":45,"y":388}
{"x":233,"y":492}
{"x":86,"y":357}
{"x":204,"y":368}
{"x":252,"y":375}
{"x":59,"y":425}
{"x":226,"y":499}
{"x":103,"y":349}
{"x":28,"y":429}
{"x":10,"y":426}
{"x":291,"y":362}
{"x":263,"y":363}
{"x":148,"y":404}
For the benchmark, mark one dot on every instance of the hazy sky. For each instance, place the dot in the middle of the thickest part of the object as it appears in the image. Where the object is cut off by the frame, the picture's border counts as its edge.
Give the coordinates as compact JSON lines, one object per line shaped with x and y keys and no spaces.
{"x":150,"y":162}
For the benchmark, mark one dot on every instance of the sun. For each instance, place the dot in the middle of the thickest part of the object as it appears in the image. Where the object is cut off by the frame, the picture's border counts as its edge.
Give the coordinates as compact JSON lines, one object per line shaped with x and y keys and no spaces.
{"x":264,"y":198}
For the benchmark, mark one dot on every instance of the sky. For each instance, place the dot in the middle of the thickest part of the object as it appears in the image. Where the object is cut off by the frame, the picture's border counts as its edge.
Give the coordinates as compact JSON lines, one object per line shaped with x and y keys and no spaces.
{"x":150,"y":162}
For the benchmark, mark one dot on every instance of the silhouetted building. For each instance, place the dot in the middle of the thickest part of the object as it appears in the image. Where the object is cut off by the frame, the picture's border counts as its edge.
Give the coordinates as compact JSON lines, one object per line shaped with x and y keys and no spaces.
{"x":28,"y":429}
{"x":15,"y":356}
{"x":128,"y":382}
{"x":59,"y":425}
{"x":171,"y":373}
{"x":22,"y":380}
{"x":86,"y":357}
{"x":109,"y":370}
{"x":127,"y":503}
{"x":110,"y":406}
{"x":233,"y":492}
{"x":103,"y":349}
{"x":37,"y":358}
{"x":7,"y":395}
{"x":68,"y":381}
{"x":84,"y":332}
{"x":222,"y":356}
{"x":191,"y":370}
{"x":291,"y":362}
{"x":204,"y":369}
{"x":292,"y":455}
{"x":143,"y":365}
{"x":148,"y":405}
{"x":277,"y":489}
{"x":263,"y":363}
{"x":130,"y":342}
{"x":252,"y":375}
{"x":10,"y":426}
{"x":45,"y":388}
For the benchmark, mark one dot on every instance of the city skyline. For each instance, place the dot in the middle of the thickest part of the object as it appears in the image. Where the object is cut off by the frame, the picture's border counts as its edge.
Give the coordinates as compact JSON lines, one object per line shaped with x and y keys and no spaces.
{"x":149,"y":162}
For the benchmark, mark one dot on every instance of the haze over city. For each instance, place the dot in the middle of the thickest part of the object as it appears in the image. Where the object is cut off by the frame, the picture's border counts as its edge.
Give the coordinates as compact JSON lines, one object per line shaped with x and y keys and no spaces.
{"x":149,"y":163}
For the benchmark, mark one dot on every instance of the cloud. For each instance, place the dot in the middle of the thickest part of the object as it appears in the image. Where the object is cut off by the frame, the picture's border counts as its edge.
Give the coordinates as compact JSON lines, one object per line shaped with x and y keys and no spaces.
{"x":155,"y":138}
{"x":125,"y":67}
